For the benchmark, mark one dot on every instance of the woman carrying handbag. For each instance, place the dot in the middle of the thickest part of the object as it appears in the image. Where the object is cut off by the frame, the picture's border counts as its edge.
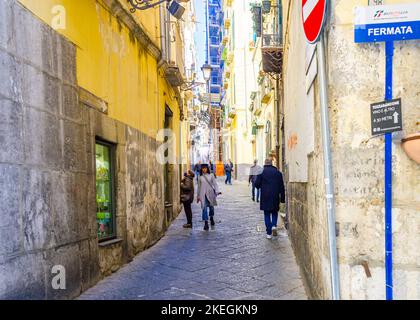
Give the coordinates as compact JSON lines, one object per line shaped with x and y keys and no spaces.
{"x":208,"y":190}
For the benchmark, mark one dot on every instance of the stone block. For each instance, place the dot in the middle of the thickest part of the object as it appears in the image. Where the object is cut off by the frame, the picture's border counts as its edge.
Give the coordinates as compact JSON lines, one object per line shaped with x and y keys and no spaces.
{"x":10,"y":237}
{"x":10,"y":219}
{"x":74,"y":147}
{"x":34,"y":39}
{"x":102,"y":126}
{"x":40,"y":90}
{"x":42,"y":139}
{"x":406,"y":185}
{"x":90,"y":152}
{"x":110,"y":258}
{"x":69,"y":258}
{"x":345,"y":272}
{"x":23,"y":278}
{"x":94,"y":270}
{"x":71,"y":107}
{"x":121,"y":159}
{"x":375,"y":286}
{"x":70,"y":223}
{"x":11,"y":132}
{"x":38,"y":212}
{"x":91,"y":209}
{"x":120,"y":194}
{"x":360,"y":175}
{"x":84,"y":263}
{"x":7,"y":38}
{"x":406,"y":236}
{"x":10,"y":77}
{"x":121,"y":133}
{"x":67,"y":64}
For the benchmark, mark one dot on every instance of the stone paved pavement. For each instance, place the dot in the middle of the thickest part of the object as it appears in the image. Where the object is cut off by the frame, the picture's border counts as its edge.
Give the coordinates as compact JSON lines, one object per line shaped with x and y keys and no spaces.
{"x":234,"y":261}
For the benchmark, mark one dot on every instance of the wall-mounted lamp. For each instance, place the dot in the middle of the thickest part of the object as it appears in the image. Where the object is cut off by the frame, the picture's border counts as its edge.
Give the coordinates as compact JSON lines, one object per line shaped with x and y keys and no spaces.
{"x":206,"y":68}
{"x":173,"y":6}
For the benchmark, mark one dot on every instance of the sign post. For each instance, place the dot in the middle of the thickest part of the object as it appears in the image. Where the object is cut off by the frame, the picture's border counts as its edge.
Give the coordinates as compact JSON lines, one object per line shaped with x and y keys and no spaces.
{"x":387,"y":24}
{"x":314,"y":15}
{"x":389,"y":48}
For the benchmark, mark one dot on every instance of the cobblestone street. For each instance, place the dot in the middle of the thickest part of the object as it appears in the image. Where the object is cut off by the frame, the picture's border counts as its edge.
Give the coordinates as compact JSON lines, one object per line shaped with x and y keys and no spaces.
{"x":232,"y":261}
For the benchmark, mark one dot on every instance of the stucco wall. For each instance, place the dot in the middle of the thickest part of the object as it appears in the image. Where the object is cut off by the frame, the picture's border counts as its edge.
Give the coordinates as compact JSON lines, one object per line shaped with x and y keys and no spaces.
{"x":47,"y":166}
{"x":112,"y":63}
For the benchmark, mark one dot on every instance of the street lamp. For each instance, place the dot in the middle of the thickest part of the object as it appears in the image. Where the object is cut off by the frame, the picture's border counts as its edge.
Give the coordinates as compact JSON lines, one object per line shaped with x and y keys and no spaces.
{"x":206,"y":68}
{"x":173,"y":6}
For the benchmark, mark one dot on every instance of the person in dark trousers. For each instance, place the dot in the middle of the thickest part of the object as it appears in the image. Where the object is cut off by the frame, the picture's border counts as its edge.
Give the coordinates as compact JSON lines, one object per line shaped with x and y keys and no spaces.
{"x":207,"y":192}
{"x":254,"y":171}
{"x":197,"y":169}
{"x":272,"y":193}
{"x":228,"y":171}
{"x":212,"y":168}
{"x":187,"y":196}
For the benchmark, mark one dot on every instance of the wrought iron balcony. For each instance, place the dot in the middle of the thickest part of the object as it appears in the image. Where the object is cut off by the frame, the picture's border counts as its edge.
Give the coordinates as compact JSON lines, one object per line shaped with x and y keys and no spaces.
{"x":173,"y":76}
{"x":272,"y":53}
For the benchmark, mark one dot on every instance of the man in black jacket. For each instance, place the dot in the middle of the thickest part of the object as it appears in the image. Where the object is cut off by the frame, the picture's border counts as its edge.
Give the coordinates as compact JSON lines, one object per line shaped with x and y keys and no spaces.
{"x":272,"y":193}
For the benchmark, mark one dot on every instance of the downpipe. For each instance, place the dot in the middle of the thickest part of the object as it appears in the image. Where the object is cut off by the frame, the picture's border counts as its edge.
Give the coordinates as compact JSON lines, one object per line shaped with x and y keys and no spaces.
{"x":328,"y":173}
{"x":163,"y":48}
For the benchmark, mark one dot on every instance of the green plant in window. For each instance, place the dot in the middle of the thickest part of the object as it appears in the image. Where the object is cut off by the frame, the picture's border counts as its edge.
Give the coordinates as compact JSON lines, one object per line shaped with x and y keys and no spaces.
{"x":102,"y":203}
{"x":102,"y":174}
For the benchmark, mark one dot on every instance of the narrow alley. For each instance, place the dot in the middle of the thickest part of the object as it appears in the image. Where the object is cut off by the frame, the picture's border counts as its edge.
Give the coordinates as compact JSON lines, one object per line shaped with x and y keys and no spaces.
{"x":108,"y":108}
{"x":233,"y":261}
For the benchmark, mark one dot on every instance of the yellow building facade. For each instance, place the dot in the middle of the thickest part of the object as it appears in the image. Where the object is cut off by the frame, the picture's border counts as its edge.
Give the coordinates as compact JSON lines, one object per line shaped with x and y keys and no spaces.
{"x":111,"y":63}
{"x":92,"y":86}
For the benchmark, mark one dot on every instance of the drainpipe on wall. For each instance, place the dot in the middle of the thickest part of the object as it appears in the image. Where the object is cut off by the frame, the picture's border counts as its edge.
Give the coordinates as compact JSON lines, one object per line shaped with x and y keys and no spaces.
{"x":328,"y":172}
{"x":277,"y":115}
{"x":162,"y":17}
{"x":277,"y":89}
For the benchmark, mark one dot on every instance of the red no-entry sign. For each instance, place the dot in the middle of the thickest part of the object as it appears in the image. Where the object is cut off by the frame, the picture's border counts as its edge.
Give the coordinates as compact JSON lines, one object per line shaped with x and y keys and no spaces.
{"x":313,"y":17}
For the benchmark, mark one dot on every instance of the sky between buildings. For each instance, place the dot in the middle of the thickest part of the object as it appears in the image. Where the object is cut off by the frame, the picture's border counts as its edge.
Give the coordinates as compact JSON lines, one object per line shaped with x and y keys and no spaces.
{"x":200,"y":36}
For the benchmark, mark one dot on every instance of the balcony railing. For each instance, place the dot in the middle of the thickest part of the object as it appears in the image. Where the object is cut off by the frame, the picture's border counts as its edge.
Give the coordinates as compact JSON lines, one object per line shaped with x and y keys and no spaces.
{"x":272,"y":53}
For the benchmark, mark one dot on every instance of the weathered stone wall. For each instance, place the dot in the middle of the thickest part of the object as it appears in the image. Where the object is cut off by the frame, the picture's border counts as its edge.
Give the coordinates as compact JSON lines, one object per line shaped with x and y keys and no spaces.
{"x":44,"y":184}
{"x":306,"y":200}
{"x":356,"y":75}
{"x":47,"y":169}
{"x":357,"y":79}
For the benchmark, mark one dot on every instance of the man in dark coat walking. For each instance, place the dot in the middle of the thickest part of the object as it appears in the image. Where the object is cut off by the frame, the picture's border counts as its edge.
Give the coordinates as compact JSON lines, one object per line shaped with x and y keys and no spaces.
{"x":272,"y":193}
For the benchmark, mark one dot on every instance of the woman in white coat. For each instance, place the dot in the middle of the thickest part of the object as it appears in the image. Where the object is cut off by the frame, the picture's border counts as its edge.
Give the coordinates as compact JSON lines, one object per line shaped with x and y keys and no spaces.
{"x":208,"y":190}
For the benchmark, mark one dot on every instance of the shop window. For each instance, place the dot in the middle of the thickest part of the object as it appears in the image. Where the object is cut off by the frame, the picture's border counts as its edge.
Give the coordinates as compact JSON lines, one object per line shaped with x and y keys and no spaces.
{"x":105,"y":206}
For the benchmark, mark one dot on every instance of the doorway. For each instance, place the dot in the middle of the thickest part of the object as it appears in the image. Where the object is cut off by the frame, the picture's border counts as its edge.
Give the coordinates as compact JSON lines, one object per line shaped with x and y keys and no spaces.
{"x":168,"y":169}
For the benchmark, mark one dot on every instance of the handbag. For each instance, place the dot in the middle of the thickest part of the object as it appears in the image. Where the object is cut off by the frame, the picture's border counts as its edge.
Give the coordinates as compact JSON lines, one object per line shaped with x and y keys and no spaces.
{"x":215,"y":193}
